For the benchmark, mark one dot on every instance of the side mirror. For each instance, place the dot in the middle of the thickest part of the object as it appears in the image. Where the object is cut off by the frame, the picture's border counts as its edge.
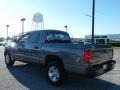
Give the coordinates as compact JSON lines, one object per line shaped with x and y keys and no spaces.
{"x":15,"y":40}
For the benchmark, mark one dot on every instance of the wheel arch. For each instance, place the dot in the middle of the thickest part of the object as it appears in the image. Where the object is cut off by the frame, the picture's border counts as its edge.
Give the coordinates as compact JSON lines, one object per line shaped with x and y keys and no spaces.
{"x":53,"y":58}
{"x":6,"y":51}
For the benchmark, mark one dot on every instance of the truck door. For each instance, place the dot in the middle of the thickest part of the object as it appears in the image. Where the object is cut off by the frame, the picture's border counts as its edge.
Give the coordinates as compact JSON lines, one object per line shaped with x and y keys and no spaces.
{"x":21,"y":47}
{"x":32,"y":48}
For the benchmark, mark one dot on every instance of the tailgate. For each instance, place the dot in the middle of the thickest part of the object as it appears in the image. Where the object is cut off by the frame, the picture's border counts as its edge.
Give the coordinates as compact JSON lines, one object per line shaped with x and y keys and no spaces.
{"x":101,"y":55}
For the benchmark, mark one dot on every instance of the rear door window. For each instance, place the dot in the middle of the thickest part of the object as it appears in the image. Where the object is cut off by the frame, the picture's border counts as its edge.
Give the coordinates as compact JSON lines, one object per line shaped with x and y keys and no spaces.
{"x":34,"y":37}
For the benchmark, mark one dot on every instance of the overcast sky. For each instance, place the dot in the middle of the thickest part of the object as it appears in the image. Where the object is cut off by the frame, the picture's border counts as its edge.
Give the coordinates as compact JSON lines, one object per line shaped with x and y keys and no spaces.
{"x":58,"y":13}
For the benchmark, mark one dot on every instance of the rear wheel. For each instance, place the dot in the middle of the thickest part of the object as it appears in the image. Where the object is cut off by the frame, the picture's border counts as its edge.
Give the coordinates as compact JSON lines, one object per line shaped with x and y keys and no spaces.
{"x":9,"y":60}
{"x":55,"y":73}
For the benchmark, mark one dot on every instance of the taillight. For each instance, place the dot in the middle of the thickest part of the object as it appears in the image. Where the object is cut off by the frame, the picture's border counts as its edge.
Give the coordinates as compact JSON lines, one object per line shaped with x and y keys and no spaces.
{"x":88,"y":56}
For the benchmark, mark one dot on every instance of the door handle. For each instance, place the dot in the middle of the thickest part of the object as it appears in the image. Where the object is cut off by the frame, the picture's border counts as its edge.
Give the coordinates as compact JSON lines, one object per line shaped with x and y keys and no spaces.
{"x":35,"y":47}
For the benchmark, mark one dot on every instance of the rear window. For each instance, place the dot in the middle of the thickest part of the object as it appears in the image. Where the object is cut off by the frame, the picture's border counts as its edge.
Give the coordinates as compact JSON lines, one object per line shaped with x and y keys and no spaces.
{"x":58,"y":37}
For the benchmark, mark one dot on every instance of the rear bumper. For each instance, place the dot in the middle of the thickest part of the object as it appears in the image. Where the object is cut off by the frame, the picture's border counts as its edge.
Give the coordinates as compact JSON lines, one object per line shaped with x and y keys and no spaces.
{"x":99,"y":69}
{"x":92,"y":70}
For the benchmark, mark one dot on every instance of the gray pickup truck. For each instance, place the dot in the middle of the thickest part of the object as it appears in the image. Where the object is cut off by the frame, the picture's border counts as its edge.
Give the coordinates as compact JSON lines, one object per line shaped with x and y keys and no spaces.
{"x":55,"y":50}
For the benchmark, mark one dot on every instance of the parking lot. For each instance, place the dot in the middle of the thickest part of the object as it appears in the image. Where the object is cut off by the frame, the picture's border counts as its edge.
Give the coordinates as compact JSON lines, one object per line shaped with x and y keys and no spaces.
{"x":24,"y":76}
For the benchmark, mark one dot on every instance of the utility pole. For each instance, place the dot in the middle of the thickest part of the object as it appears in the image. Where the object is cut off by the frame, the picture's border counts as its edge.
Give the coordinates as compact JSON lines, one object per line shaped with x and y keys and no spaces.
{"x":7,"y":30}
{"x":22,"y":20}
{"x":66,"y":27}
{"x":93,"y":20}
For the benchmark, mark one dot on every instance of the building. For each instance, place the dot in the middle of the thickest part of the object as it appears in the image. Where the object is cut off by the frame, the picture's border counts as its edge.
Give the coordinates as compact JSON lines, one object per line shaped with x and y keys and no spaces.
{"x":78,"y":40}
{"x":102,"y":39}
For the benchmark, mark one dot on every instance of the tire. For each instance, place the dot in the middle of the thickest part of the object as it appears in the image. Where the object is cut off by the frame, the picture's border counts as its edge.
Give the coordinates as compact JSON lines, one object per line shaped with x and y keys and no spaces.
{"x":8,"y":60}
{"x":55,"y":73}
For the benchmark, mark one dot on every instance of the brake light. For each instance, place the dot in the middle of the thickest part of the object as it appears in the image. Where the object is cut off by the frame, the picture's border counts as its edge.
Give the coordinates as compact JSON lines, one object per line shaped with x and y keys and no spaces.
{"x":88,"y":56}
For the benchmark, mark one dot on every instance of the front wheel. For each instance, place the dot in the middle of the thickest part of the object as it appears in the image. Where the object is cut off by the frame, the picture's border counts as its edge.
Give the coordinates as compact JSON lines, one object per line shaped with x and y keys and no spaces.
{"x":8,"y":60}
{"x":55,"y":73}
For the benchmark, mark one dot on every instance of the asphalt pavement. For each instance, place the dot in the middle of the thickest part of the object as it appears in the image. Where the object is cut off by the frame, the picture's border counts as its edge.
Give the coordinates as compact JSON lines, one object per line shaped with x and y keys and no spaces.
{"x":23,"y":76}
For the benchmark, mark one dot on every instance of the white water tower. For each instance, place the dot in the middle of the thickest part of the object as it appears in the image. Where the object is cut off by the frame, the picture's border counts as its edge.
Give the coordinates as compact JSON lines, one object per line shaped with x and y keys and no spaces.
{"x":37,"y":22}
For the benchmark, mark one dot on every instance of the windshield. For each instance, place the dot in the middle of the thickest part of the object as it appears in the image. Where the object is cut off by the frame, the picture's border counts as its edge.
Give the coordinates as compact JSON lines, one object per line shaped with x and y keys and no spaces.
{"x":59,"y":37}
